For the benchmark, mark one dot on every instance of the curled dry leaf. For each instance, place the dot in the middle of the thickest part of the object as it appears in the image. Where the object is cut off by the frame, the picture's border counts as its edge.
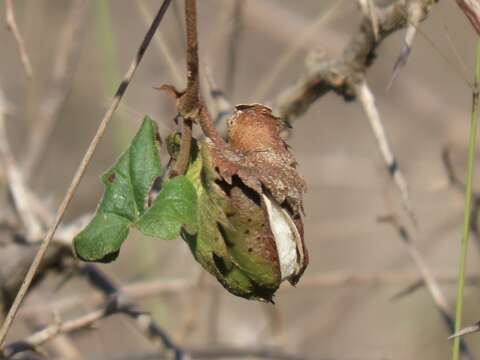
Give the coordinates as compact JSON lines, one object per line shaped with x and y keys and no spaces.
{"x":250,"y":206}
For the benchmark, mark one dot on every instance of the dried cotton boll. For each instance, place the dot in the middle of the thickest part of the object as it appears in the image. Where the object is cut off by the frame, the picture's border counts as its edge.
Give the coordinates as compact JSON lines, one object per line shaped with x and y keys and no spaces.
{"x":250,"y":207}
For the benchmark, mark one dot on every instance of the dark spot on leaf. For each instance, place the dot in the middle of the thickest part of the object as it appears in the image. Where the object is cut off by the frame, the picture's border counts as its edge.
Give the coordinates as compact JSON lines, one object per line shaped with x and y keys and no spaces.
{"x":249,"y":220}
{"x":111,"y":178}
{"x":250,"y":250}
{"x":247,"y":231}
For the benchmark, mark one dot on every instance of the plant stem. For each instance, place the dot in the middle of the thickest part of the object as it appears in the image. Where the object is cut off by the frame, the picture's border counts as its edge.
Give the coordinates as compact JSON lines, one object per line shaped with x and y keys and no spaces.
{"x":191,"y":99}
{"x":122,"y":88}
{"x":190,"y":108}
{"x":468,"y":205}
{"x":189,"y":102}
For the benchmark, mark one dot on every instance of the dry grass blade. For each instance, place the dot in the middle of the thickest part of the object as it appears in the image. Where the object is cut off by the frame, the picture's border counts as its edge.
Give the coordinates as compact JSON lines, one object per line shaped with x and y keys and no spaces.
{"x":80,"y":171}
{"x":12,"y":26}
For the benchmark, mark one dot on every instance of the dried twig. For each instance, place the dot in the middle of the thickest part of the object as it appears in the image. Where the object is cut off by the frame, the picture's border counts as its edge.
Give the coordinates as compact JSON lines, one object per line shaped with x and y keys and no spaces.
{"x":368,"y":9}
{"x":191,"y":310}
{"x":48,"y":333}
{"x":223,"y":352}
{"x":459,"y":185}
{"x":222,"y":108}
{"x":12,"y":26}
{"x":233,"y":44}
{"x":165,"y":51}
{"x":432,"y":285}
{"x":416,"y":13}
{"x":345,"y":75}
{"x":80,"y":172}
{"x":16,"y":182}
{"x":367,"y":99}
{"x":16,"y":256}
{"x":66,"y":59}
{"x":284,"y":59}
{"x":143,"y":289}
{"x":144,"y":321}
{"x":471,"y":8}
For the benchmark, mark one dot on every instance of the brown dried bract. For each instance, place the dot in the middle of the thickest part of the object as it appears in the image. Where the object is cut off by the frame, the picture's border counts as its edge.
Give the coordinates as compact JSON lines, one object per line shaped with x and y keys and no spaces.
{"x":259,"y":156}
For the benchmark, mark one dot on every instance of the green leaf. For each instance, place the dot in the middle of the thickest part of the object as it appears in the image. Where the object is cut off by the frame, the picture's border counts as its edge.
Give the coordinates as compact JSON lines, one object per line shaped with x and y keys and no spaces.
{"x":102,"y":238}
{"x":127,"y":185}
{"x":175,"y":206}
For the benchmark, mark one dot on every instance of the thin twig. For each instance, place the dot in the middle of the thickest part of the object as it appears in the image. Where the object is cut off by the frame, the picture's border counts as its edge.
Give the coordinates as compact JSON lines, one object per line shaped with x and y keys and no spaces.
{"x":161,"y":43}
{"x":222,"y":108}
{"x":459,"y":185}
{"x":191,"y":310}
{"x":145,"y":289}
{"x":12,"y":26}
{"x":416,"y":12}
{"x":344,"y":74}
{"x":433,"y":286}
{"x":66,"y":59}
{"x":471,"y":9}
{"x":284,"y":59}
{"x":80,"y":172}
{"x":233,"y":45}
{"x":369,"y":10}
{"x":367,"y":99}
{"x":16,"y":182}
{"x":144,"y":322}
{"x":50,"y":332}
{"x":223,"y":352}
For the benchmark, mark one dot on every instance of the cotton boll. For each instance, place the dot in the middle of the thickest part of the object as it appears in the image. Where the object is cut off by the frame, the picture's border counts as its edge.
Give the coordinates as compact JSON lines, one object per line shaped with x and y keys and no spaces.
{"x":286,"y":237}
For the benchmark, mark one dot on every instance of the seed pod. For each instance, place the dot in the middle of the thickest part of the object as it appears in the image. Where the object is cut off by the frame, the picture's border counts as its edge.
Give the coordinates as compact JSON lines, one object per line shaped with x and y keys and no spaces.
{"x":250,"y":197}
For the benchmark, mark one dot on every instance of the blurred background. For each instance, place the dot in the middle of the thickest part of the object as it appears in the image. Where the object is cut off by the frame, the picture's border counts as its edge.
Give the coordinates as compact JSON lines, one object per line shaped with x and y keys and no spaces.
{"x":346,"y":306}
